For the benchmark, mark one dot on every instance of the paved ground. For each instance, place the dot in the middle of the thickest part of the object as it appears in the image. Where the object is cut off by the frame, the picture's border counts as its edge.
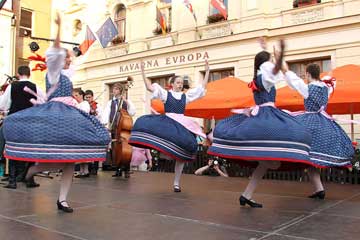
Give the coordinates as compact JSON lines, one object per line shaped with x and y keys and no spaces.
{"x":145,"y":207}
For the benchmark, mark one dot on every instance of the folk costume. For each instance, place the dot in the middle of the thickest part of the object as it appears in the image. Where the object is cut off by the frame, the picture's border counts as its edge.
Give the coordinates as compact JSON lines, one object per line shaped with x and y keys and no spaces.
{"x":331,"y":146}
{"x":55,"y":131}
{"x":173,"y":134}
{"x":262,"y":133}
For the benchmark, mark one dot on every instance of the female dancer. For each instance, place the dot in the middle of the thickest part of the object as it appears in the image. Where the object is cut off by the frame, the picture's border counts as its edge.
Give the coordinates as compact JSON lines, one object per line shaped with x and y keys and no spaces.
{"x":56,"y":134}
{"x":330,"y":146}
{"x":172,"y":134}
{"x":264,"y":133}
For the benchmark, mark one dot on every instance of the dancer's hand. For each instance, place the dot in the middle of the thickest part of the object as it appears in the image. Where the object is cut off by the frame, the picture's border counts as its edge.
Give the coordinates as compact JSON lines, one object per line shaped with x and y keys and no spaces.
{"x":207,"y":67}
{"x":58,"y":19}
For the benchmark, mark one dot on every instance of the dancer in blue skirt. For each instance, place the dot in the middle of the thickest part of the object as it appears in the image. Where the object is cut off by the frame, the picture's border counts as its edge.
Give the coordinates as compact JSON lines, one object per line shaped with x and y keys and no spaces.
{"x":264,"y":133}
{"x":172,"y":134}
{"x":330,"y":147}
{"x":56,"y":134}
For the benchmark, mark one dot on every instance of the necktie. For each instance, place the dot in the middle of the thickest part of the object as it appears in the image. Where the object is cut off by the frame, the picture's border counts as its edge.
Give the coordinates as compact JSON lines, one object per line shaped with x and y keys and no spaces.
{"x":114,"y":102}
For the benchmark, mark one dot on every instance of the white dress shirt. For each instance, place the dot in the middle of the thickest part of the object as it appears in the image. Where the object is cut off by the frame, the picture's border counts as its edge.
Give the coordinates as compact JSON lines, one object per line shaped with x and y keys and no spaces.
{"x":5,"y":99}
{"x":105,"y":115}
{"x":191,"y":95}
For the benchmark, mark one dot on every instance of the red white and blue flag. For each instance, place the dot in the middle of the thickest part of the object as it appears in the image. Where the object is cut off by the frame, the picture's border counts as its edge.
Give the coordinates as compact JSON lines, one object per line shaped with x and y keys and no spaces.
{"x":89,"y":40}
{"x":220,"y":6}
{"x":189,"y":6}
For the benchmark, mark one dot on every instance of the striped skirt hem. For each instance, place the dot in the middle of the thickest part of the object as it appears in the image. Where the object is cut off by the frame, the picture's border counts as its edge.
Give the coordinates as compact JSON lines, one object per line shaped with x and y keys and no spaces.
{"x":144,"y":140}
{"x":54,"y":153}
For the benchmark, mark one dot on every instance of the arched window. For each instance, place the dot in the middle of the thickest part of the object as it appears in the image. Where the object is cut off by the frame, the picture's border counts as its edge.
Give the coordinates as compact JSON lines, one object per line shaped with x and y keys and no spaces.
{"x":120,"y":22}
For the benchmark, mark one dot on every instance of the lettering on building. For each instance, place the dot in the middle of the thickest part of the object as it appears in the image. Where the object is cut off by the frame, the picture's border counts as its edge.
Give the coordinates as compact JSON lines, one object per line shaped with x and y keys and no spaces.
{"x":163,"y":62}
{"x":307,"y":16}
{"x":216,"y":32}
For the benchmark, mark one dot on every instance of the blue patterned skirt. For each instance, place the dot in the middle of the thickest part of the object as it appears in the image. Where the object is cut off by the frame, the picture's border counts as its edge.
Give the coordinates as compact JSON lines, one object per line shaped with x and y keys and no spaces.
{"x":54,"y":132}
{"x":165,"y":135}
{"x":330,"y":146}
{"x":270,"y":135}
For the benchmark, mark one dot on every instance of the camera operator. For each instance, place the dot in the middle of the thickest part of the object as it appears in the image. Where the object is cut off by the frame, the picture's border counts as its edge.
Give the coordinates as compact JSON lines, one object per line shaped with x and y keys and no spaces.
{"x":213,"y":168}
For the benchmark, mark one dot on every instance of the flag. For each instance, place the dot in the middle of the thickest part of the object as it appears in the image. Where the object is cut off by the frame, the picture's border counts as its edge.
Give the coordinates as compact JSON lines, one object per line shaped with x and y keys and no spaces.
{"x":161,"y":20}
{"x":189,"y":6}
{"x":107,"y":32}
{"x":89,"y":40}
{"x":2,"y":2}
{"x":220,"y":6}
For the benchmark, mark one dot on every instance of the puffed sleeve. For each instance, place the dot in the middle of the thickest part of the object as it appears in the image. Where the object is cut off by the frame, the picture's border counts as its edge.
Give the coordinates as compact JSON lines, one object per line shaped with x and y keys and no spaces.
{"x":297,"y":83}
{"x":330,"y":88}
{"x":55,"y":61}
{"x":131,"y":108}
{"x":106,"y":113}
{"x":159,"y":92}
{"x":269,"y":79}
{"x":194,"y":93}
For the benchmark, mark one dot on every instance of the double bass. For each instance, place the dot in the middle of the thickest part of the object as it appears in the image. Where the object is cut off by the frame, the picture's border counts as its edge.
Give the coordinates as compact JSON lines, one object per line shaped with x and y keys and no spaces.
{"x":122,"y":125}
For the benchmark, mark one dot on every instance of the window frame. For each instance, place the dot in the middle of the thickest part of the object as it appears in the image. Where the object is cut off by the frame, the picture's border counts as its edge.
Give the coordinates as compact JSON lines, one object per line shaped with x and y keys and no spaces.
{"x":22,"y":26}
{"x":304,"y":62}
{"x":120,"y":21}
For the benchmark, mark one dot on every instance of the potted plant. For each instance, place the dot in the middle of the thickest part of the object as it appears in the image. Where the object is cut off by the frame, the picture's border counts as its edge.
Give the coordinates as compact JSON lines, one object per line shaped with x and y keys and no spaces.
{"x":215,"y":18}
{"x":118,"y":40}
{"x":301,"y":3}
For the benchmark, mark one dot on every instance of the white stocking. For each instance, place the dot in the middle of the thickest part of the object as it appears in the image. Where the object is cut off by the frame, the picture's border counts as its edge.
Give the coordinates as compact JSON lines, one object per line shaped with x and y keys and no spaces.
{"x":66,"y":181}
{"x":179,"y":166}
{"x":315,"y":179}
{"x":257,"y":175}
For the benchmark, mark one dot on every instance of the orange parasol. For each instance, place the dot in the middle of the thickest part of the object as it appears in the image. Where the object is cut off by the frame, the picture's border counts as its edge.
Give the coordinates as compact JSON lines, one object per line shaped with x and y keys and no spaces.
{"x":221,"y":96}
{"x":345,"y":99}
{"x":158,"y":105}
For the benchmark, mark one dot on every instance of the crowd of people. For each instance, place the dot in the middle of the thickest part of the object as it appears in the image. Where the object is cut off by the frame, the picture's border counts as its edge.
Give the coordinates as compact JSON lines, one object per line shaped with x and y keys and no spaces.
{"x":263,"y":136}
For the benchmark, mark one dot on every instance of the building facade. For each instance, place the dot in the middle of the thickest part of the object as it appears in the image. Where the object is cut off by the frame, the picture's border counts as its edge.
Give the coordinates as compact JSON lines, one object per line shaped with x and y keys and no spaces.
{"x":326,"y":32}
{"x":33,"y":24}
{"x":7,"y":40}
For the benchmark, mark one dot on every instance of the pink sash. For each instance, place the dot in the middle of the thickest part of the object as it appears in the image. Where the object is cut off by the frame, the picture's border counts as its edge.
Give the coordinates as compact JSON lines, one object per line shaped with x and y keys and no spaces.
{"x":188,"y":123}
{"x":253,"y":111}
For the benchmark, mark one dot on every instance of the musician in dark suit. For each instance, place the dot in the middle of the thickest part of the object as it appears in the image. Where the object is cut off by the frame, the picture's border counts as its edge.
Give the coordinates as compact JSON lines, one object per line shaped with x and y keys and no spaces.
{"x":13,"y":100}
{"x":110,"y":118}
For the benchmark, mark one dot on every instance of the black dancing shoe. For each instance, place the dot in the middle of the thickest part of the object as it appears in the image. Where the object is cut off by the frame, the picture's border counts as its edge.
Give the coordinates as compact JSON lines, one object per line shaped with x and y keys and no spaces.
{"x":11,"y":185}
{"x":177,"y":188}
{"x":118,"y":173}
{"x":64,"y":208}
{"x":318,"y":195}
{"x":243,"y":201}
{"x":30,"y":183}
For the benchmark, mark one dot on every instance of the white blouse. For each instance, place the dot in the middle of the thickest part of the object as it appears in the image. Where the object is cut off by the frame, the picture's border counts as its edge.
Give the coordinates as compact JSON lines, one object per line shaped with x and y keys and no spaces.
{"x":268,"y":78}
{"x":299,"y":85}
{"x":191,"y":95}
{"x":106,"y":113}
{"x":84,"y":106}
{"x":55,"y":61}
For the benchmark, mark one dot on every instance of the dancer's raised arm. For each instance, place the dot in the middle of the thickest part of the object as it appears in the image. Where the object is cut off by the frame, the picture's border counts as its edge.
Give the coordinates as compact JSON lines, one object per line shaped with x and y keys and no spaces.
{"x":207,"y":73}
{"x":55,"y":56}
{"x":147,"y":81}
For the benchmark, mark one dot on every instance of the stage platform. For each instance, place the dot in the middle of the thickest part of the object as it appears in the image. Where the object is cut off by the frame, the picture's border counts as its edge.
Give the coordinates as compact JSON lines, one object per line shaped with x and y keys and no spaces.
{"x":145,"y":208}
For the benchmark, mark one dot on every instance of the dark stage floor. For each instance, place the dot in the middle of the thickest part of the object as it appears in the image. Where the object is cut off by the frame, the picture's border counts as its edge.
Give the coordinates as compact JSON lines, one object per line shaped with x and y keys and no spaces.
{"x":144,"y":207}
